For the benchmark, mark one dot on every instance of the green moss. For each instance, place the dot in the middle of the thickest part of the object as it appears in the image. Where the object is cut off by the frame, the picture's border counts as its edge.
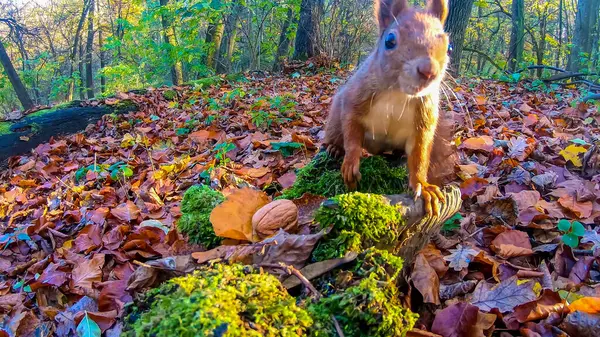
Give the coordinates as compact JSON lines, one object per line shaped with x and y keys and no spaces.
{"x":196,"y":206}
{"x":360,"y":221}
{"x":170,"y":95}
{"x":322,"y":176}
{"x":372,"y":307}
{"x":220,"y":300}
{"x":5,"y":128}
{"x":60,"y":106}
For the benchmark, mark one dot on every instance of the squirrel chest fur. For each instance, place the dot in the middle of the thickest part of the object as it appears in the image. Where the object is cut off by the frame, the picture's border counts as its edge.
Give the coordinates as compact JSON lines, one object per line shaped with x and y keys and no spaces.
{"x":389,"y":122}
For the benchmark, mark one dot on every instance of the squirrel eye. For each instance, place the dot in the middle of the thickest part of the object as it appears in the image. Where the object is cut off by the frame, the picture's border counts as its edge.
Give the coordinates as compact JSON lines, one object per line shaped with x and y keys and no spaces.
{"x":390,"y":41}
{"x":450,"y":48}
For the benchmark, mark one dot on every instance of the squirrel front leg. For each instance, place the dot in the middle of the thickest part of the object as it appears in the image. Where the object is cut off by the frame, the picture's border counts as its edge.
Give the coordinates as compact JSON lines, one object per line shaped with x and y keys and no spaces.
{"x":419,"y":154}
{"x":354,"y":134}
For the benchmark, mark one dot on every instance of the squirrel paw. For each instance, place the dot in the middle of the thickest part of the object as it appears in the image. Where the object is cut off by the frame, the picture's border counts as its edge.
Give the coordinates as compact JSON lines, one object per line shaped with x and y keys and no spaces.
{"x":351,"y":172}
{"x":334,"y":151}
{"x":432,"y":197}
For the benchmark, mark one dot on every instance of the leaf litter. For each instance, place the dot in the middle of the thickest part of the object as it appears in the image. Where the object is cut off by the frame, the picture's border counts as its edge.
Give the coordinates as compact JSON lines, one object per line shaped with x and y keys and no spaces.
{"x":91,"y":217}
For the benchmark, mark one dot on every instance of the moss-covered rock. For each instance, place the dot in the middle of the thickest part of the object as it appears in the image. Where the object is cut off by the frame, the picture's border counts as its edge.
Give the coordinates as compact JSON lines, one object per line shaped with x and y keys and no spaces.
{"x":371,"y":307}
{"x":220,"y":300}
{"x":360,"y":221}
{"x":196,"y":206}
{"x":322,"y":176}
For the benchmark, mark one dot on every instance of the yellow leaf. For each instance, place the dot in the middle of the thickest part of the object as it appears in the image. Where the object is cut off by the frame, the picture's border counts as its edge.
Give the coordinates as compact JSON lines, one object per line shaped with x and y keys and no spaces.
{"x":127,"y":141}
{"x":571,"y":153}
{"x":233,"y":218}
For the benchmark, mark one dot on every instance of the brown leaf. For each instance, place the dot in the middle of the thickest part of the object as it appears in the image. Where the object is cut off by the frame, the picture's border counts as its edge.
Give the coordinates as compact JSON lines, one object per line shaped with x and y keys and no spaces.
{"x":483,"y":143}
{"x":461,"y":320}
{"x":580,"y":209}
{"x":457,"y":289}
{"x":287,"y":180}
{"x":126,"y":212}
{"x":512,"y":243}
{"x":472,"y":186}
{"x":581,"y":324}
{"x":541,"y":308}
{"x":88,"y":271}
{"x":426,"y":280}
{"x":203,"y":135}
{"x":581,"y":270}
{"x":113,"y":296}
{"x":233,"y":218}
{"x":503,"y":296}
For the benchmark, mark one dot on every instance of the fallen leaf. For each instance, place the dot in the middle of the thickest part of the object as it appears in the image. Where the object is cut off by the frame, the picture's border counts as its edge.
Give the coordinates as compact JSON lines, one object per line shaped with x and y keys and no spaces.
{"x":549,"y":302}
{"x":512,"y":243}
{"x":504,"y":296}
{"x":426,"y":280}
{"x":317,"y":269}
{"x":580,"y":209}
{"x":233,"y":218}
{"x":571,"y":153}
{"x":472,"y":186}
{"x":126,"y":211}
{"x":460,"y":257}
{"x":88,"y":328}
{"x":482,"y":143}
{"x":88,"y":271}
{"x":581,"y":324}
{"x":590,"y":305}
{"x":461,"y":320}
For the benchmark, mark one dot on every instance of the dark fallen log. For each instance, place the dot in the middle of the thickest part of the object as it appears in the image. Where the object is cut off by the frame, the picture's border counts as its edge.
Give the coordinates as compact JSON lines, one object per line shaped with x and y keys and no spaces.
{"x":418,"y":230}
{"x":591,"y":97}
{"x":24,"y":135}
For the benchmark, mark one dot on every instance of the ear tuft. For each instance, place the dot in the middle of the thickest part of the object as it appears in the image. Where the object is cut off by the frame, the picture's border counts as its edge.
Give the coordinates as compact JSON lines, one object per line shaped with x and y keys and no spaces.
{"x":387,"y":10}
{"x":439,"y":9}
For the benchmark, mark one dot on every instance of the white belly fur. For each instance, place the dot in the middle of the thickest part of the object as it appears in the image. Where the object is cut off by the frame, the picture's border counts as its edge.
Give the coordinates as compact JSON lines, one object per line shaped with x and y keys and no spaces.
{"x":389,"y":124}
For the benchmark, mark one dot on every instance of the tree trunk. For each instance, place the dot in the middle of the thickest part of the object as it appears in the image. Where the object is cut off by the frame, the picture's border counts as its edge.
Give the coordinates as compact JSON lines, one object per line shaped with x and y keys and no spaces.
{"x":89,"y":49}
{"x":586,"y":20}
{"x":306,"y":44}
{"x":542,"y":42}
{"x":80,"y":65}
{"x":75,"y":46}
{"x":169,"y":37}
{"x":18,"y":86}
{"x":284,"y":41}
{"x":228,"y":41}
{"x":517,"y":35}
{"x":214,"y":35}
{"x":102,"y":53}
{"x":560,"y":32}
{"x":456,"y":26}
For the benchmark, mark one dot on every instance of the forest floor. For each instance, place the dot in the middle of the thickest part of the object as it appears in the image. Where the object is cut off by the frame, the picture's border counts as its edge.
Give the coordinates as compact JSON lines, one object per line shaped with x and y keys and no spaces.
{"x":82,"y":213}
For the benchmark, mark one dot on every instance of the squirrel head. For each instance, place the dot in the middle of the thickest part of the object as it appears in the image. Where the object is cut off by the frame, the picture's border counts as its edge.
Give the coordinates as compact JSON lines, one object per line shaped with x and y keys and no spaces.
{"x":412,"y":50}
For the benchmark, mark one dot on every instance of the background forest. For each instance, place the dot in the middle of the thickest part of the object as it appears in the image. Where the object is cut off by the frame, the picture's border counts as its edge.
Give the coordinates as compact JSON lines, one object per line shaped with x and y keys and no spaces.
{"x":55,"y":51}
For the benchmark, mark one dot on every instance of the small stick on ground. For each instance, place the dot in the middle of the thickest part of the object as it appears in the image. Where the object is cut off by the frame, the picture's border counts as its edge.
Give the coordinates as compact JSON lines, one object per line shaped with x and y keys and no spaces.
{"x":293,"y":271}
{"x":338,"y":328}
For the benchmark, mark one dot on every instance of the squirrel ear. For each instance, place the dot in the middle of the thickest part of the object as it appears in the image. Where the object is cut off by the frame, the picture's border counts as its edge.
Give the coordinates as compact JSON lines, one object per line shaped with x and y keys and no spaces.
{"x":439,"y":9}
{"x":387,"y":10}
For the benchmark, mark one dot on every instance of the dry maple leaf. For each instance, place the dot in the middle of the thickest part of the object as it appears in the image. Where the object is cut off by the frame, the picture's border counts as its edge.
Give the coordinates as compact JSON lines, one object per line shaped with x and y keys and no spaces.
{"x":233,"y":218}
{"x":426,"y":280}
{"x":482,"y":143}
{"x":549,"y":302}
{"x":503,"y":296}
{"x":460,"y":257}
{"x":512,"y":243}
{"x":88,"y":271}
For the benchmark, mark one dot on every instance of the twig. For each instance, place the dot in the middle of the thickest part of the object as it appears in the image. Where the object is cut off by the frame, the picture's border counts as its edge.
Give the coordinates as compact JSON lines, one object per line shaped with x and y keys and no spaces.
{"x":337,"y":326}
{"x":293,"y":271}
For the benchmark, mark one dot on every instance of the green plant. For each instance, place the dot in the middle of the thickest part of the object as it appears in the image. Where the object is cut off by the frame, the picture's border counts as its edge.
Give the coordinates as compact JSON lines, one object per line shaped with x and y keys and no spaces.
{"x":571,"y":232}
{"x":360,"y":221}
{"x":322,"y":176}
{"x":220,"y":300}
{"x":116,"y":171}
{"x":221,"y":150}
{"x":370,"y":308}
{"x":196,"y":206}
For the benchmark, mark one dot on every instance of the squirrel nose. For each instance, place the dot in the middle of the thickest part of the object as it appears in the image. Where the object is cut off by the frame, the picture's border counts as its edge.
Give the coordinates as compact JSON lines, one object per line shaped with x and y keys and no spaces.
{"x":426,"y":71}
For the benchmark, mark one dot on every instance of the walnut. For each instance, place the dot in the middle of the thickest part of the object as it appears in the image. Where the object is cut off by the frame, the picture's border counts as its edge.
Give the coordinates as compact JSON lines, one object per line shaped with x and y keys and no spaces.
{"x":273,"y":216}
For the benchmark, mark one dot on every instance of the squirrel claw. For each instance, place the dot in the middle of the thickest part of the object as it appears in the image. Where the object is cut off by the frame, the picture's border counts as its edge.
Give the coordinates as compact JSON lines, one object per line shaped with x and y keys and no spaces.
{"x":334,"y":151}
{"x":432,"y":197}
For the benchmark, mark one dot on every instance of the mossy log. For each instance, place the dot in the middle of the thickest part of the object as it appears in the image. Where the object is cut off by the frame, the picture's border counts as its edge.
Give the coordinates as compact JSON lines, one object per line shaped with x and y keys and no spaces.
{"x":24,"y":135}
{"x":419,"y":227}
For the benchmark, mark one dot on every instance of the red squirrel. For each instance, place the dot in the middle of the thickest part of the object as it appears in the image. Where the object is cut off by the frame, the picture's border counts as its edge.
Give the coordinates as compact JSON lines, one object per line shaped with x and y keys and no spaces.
{"x":391,"y":102}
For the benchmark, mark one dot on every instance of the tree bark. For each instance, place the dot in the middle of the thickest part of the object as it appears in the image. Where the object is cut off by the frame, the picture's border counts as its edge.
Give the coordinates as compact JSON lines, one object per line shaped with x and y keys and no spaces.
{"x":15,"y":80}
{"x":228,"y":41}
{"x":80,"y":65}
{"x":75,"y":48}
{"x":586,"y":20}
{"x":284,"y":41}
{"x":169,"y":37}
{"x":541,"y":50}
{"x":456,"y":26}
{"x":517,"y":35}
{"x":214,"y":35}
{"x":306,"y":44}
{"x":89,"y":49}
{"x":102,"y":53}
{"x":560,"y":32}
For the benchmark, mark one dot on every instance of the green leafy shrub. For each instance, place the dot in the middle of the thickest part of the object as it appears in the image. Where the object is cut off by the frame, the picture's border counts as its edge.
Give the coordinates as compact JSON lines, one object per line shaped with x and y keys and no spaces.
{"x":196,"y":206}
{"x":360,"y":221}
{"x":220,"y":300}
{"x":571,"y":232}
{"x":322,"y":176}
{"x":370,"y":308}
